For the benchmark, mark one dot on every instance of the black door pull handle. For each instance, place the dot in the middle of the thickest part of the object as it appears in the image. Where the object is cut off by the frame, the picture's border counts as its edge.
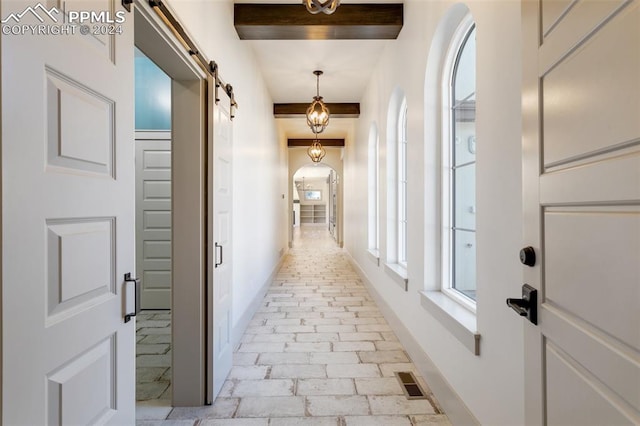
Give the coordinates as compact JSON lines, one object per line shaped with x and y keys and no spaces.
{"x":136,"y":296}
{"x":216,"y":259}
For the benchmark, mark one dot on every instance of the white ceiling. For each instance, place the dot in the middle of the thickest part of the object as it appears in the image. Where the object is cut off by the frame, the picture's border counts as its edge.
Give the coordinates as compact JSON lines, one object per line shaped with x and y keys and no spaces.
{"x":288,"y":65}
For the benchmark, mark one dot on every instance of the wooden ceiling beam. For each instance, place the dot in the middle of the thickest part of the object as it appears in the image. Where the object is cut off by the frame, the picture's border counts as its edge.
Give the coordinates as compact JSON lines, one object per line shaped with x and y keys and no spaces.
{"x":307,"y":142}
{"x":379,"y":21}
{"x":338,"y":110}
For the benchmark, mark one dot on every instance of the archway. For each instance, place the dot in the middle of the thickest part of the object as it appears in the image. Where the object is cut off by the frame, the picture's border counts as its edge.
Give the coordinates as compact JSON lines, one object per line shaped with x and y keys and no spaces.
{"x":331,"y":193}
{"x":315,"y":199}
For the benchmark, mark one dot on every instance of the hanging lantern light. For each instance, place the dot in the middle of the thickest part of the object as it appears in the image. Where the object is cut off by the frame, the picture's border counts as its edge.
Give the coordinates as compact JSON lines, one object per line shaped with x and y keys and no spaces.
{"x":316,"y":6}
{"x":316,"y":151}
{"x":317,"y":113}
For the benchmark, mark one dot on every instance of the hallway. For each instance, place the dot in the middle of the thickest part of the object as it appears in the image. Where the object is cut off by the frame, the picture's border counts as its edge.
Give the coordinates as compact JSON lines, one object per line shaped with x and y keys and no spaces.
{"x":317,"y":353}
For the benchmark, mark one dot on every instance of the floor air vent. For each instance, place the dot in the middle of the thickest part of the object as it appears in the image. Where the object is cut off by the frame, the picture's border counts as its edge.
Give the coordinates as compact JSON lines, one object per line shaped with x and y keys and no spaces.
{"x":410,"y":386}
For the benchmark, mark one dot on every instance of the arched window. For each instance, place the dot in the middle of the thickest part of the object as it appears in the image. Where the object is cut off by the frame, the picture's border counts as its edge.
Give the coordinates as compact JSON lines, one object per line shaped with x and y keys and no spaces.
{"x":459,"y":167}
{"x":396,"y":153}
{"x":402,"y":185}
{"x":374,"y":196}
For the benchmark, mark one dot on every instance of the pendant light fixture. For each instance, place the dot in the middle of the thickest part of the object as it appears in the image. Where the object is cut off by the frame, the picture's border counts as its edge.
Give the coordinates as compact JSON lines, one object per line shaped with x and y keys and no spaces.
{"x":316,"y":151}
{"x":317,"y":113}
{"x":316,"y":6}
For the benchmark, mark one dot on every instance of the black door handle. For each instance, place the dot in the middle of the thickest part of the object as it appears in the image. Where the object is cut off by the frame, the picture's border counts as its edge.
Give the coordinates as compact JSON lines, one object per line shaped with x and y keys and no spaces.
{"x":216,"y":261}
{"x":528,"y":305}
{"x":519,"y":305}
{"x":136,"y":296}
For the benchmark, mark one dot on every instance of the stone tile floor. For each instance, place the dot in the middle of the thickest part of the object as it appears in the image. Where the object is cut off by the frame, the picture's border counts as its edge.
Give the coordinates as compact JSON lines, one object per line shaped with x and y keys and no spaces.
{"x":317,"y":353}
{"x":153,"y":356}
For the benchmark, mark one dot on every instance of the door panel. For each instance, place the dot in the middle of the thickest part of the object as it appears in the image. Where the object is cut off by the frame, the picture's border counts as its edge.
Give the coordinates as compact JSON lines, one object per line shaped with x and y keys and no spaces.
{"x":153,"y":214}
{"x":68,"y":223}
{"x":581,"y":166}
{"x":93,"y":369}
{"x":590,"y":402}
{"x":604,"y":357}
{"x":79,"y":123}
{"x":594,"y":85}
{"x":102,"y":44}
{"x":571,"y":245}
{"x":220,"y":244}
{"x":552,"y":12}
{"x":575,"y":21}
{"x":605,"y":178}
{"x":79,"y":265}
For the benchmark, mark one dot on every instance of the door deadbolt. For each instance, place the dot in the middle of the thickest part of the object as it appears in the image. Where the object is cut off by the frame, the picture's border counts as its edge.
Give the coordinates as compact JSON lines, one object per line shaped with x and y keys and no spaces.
{"x":528,"y":256}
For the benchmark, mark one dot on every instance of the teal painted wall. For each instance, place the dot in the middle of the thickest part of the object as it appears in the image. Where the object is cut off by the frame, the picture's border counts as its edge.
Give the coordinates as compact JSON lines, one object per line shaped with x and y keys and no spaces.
{"x":153,"y":95}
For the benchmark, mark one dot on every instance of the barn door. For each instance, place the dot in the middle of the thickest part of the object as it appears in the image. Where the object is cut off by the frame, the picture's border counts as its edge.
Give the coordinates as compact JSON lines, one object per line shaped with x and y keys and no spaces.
{"x":220,"y":242}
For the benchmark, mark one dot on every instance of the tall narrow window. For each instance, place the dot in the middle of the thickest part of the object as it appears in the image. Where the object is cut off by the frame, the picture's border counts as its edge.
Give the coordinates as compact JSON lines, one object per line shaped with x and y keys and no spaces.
{"x":402,"y":185}
{"x":373,"y":184}
{"x":396,"y":202}
{"x":459,"y":160}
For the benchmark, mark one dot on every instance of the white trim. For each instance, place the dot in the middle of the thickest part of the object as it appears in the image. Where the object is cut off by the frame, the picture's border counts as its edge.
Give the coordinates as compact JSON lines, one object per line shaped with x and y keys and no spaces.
{"x":374,"y":255}
{"x":398,"y":273}
{"x":373,"y":187}
{"x":461,"y":299}
{"x":455,"y":408}
{"x":152,"y":135}
{"x":156,"y":41}
{"x":396,"y":103}
{"x":453,"y":316}
{"x":401,"y":185}
{"x":188,"y":262}
{"x":446,"y":254}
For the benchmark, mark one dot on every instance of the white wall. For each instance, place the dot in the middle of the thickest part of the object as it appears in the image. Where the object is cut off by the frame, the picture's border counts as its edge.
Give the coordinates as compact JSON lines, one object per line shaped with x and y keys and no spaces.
{"x":260,"y":174}
{"x":490,"y":385}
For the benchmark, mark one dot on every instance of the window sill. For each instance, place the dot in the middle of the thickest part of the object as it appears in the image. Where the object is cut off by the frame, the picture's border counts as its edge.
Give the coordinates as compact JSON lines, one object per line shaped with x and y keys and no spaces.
{"x":398,"y":273}
{"x":460,"y":322}
{"x":374,"y":255}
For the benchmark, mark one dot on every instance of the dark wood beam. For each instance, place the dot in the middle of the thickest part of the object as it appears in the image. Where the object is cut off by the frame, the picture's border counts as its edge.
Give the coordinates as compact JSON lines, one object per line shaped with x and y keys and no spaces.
{"x":337,"y":110}
{"x":292,"y":22}
{"x":307,"y":142}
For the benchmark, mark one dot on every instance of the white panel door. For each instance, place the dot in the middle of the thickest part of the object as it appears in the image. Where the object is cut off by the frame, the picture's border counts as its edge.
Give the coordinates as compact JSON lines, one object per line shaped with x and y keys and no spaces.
{"x":581,"y":169}
{"x":220,"y":242}
{"x":153,"y":218}
{"x":67,"y":218}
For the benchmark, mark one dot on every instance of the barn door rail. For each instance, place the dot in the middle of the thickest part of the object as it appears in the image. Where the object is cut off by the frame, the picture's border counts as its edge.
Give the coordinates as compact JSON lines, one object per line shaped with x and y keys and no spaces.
{"x":210,"y":67}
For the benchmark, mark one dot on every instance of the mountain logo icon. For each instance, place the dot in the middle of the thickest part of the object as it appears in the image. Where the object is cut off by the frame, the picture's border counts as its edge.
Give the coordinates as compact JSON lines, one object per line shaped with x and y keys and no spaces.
{"x":39,"y":11}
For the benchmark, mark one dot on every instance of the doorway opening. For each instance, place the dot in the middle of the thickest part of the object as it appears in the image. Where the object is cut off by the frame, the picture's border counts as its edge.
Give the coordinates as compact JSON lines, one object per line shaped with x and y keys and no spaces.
{"x":171,"y":219}
{"x":329,"y":174}
{"x":153,"y":231}
{"x":315,"y":203}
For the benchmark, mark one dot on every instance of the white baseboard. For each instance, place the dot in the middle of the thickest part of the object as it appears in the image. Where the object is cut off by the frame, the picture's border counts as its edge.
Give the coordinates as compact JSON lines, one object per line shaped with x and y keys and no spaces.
{"x":449,"y":400}
{"x":243,"y":322}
